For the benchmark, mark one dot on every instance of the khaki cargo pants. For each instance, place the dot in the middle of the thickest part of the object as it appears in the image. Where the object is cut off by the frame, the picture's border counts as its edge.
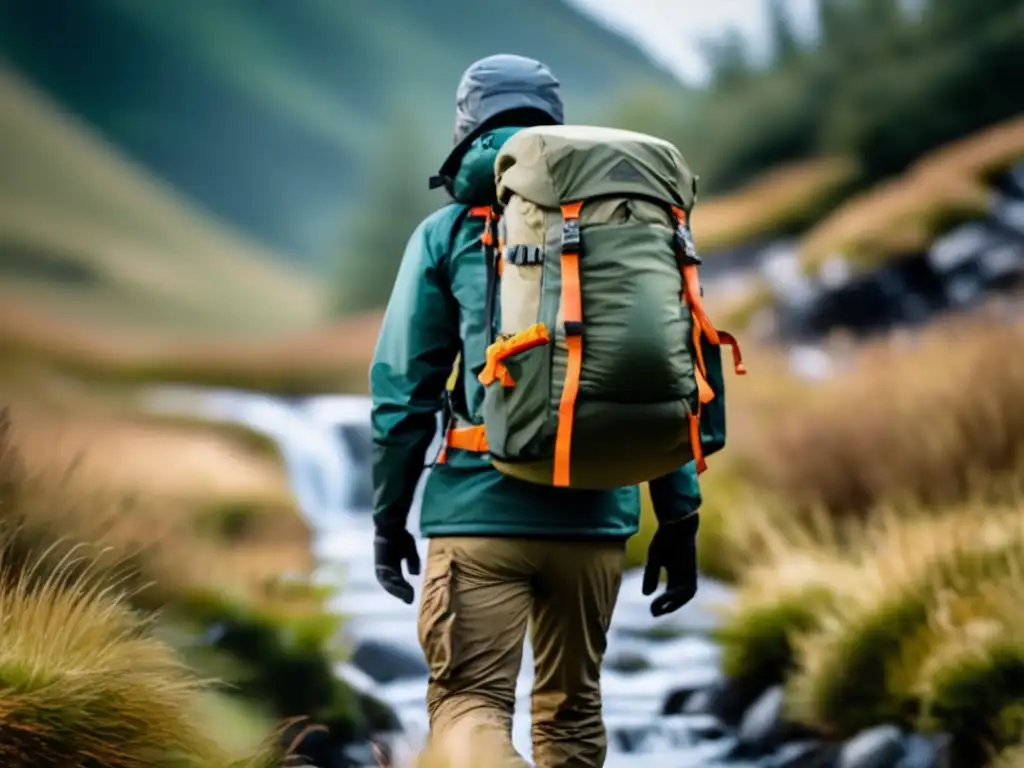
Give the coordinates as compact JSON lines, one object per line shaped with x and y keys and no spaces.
{"x":479,"y":595}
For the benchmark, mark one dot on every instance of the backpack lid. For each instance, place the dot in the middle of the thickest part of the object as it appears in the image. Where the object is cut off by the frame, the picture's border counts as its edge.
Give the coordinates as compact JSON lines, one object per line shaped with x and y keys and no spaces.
{"x":551,"y":165}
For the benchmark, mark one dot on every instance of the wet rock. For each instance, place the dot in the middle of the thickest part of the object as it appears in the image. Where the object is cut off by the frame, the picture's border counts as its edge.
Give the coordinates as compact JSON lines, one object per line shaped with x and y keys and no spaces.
{"x":626,"y":661}
{"x":926,"y":751}
{"x":763,"y":728}
{"x":726,"y":699}
{"x":804,"y":754}
{"x":639,"y":734}
{"x":881,"y":747}
{"x":387,"y":662}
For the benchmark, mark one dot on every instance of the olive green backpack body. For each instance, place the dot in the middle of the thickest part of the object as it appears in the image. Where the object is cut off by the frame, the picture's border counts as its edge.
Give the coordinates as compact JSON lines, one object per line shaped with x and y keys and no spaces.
{"x":604,"y":369}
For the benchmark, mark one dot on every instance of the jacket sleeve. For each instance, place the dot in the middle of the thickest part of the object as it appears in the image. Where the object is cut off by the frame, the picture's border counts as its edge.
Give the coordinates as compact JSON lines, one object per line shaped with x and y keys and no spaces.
{"x":676,"y":495}
{"x":417,"y":346}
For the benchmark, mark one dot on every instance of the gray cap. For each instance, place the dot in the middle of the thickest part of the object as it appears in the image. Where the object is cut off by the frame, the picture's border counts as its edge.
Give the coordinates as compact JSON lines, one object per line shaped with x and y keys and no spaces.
{"x":498,"y":84}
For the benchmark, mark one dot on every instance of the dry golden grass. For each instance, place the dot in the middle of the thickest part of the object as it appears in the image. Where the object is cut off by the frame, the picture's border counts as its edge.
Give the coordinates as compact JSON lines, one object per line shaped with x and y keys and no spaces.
{"x":908,"y":212}
{"x":910,"y":618}
{"x":84,"y":683}
{"x":774,"y":201}
{"x":857,"y":666}
{"x":183,"y":510}
{"x":1010,"y":758}
{"x":150,"y":544}
{"x":930,"y":421}
{"x":326,"y":359}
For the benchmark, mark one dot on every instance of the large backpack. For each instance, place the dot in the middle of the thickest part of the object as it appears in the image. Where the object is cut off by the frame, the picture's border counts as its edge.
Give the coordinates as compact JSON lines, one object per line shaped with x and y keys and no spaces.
{"x":603,"y":369}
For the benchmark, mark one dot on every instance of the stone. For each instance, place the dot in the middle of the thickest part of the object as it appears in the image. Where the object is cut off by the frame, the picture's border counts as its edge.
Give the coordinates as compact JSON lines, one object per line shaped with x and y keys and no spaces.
{"x":387,"y":662}
{"x":627,"y":661}
{"x":726,"y":699}
{"x":762,"y":727}
{"x":880,"y":747}
{"x":804,"y":754}
{"x":926,"y":751}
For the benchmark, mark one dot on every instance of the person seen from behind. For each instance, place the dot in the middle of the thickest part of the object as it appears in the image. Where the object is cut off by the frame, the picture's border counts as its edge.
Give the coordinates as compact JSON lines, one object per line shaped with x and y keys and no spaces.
{"x":504,"y":556}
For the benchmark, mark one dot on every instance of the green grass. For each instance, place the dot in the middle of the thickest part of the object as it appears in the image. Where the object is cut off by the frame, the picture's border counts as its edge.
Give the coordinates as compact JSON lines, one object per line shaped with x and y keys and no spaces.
{"x":90,"y":237}
{"x":862,"y":663}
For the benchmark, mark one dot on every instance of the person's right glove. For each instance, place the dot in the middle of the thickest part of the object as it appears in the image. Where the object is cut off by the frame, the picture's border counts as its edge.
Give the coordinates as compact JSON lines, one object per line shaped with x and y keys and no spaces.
{"x":390,"y":547}
{"x":674,"y":548}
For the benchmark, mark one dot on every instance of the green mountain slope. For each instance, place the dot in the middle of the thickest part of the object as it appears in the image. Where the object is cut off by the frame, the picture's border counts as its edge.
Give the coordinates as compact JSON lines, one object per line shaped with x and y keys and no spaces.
{"x":89,"y":235}
{"x":263,"y":111}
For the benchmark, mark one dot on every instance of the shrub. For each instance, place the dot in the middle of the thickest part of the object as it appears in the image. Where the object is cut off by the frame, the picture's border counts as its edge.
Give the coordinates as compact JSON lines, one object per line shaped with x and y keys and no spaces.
{"x":971,"y":682}
{"x":858,"y":667}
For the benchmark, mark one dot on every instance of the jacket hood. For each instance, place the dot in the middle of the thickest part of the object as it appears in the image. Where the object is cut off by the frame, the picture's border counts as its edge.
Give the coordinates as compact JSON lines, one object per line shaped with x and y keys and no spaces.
{"x":473,"y":182}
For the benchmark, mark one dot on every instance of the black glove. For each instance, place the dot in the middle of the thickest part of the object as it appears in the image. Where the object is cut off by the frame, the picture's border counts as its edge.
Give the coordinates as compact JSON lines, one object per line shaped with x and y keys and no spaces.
{"x":674,"y":548}
{"x":390,"y":547}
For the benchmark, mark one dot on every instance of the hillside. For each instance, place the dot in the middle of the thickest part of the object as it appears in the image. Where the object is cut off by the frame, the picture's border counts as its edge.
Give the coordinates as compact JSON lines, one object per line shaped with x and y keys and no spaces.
{"x":92,"y":237}
{"x":264,"y":111}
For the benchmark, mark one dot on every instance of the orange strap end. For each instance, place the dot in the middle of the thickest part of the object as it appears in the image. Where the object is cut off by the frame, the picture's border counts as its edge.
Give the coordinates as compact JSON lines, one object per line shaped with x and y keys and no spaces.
{"x":737,"y":356}
{"x":695,"y":444}
{"x":704,"y":392}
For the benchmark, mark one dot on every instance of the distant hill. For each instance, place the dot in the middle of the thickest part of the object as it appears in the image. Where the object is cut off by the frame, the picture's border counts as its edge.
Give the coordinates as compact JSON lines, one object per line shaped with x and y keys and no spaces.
{"x":263,"y":111}
{"x":93,"y":238}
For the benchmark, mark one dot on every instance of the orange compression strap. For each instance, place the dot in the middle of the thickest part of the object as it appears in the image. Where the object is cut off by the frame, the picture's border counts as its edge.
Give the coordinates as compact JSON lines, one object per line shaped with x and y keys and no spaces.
{"x":464,"y":439}
{"x":479,"y":211}
{"x":494,"y":368}
{"x":572,"y":315}
{"x":702,"y":328}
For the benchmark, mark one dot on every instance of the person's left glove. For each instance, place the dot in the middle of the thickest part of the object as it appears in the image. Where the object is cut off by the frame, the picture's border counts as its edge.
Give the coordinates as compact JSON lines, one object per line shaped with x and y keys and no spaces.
{"x":392,"y":546}
{"x":674,"y":548}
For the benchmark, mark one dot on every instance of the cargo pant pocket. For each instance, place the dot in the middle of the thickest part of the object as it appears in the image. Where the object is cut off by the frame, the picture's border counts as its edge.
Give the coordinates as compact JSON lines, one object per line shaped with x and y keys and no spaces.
{"x":437,"y":617}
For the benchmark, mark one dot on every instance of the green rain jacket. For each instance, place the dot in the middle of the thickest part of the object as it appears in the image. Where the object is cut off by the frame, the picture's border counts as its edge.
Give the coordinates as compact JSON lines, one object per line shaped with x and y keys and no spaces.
{"x":435,"y":312}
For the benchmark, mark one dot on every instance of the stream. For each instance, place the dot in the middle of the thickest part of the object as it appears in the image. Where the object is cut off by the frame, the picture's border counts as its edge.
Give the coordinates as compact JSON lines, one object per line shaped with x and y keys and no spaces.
{"x":656,"y":671}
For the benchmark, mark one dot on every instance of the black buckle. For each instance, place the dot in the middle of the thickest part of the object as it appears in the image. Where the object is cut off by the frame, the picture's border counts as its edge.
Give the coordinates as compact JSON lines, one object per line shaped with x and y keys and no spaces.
{"x":571,"y":236}
{"x":685,"y":245}
{"x":573,"y":328}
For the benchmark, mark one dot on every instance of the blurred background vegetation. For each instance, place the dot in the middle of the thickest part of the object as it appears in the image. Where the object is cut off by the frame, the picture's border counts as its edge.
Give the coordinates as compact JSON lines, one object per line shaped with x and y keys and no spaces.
{"x":219,"y":192}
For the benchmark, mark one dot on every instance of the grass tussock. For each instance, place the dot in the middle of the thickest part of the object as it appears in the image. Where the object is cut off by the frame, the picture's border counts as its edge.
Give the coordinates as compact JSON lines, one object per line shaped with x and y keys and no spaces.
{"x":859,"y":669}
{"x":909,"y":212}
{"x":912,"y":619}
{"x":83,"y":682}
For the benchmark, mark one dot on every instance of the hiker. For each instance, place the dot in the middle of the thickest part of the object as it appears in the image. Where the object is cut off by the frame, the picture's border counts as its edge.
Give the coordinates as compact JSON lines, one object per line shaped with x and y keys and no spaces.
{"x":504,"y":553}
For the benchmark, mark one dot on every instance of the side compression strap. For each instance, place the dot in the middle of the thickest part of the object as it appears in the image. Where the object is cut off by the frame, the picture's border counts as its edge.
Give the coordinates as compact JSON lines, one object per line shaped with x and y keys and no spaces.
{"x":702,"y":328}
{"x":572,"y":316}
